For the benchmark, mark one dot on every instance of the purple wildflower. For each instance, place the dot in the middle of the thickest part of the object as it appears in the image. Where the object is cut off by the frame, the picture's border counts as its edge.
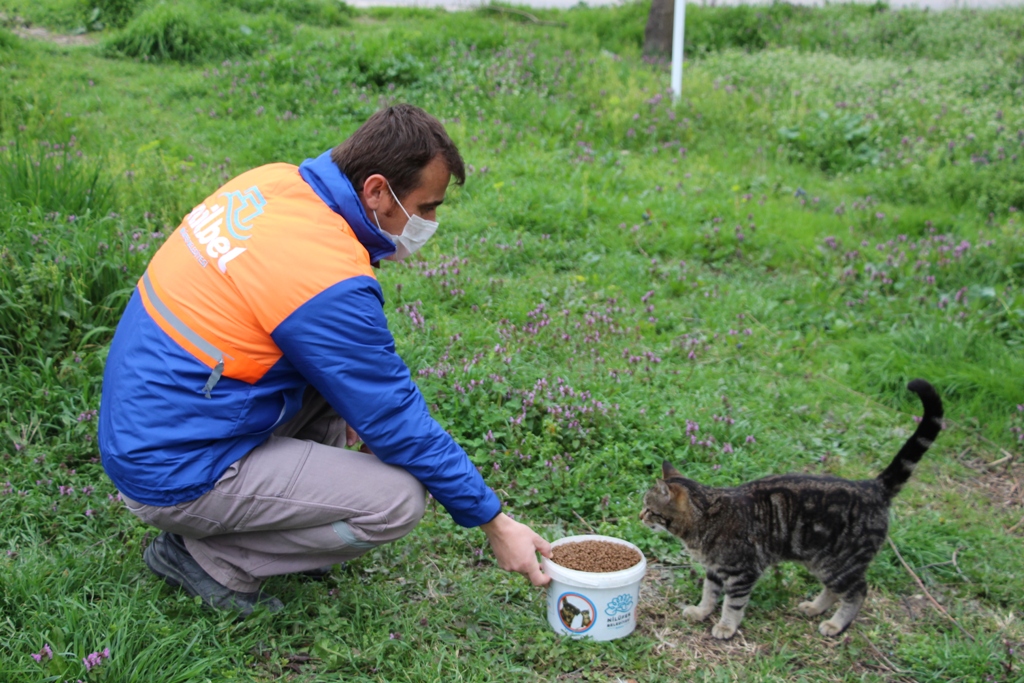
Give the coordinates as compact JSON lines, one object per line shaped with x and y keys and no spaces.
{"x":95,"y":659}
{"x":45,"y":652}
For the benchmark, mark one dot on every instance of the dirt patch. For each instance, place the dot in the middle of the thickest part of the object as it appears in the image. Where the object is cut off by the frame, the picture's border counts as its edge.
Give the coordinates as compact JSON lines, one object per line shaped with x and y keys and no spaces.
{"x":866,"y":649}
{"x":999,"y":482}
{"x":687,"y":647}
{"x":23,"y":29}
{"x":595,"y":556}
{"x":1002,"y":483}
{"x":40,"y":33}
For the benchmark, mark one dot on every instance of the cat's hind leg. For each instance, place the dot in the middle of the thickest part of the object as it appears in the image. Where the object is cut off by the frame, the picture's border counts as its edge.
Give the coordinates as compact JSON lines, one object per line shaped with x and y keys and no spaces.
{"x":737,"y":595}
{"x":712,"y":587}
{"x":850,"y":601}
{"x":813,"y":608}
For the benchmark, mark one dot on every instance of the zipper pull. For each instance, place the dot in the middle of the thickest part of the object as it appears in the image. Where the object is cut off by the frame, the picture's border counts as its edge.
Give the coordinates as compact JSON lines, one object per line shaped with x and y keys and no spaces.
{"x":214,"y":378}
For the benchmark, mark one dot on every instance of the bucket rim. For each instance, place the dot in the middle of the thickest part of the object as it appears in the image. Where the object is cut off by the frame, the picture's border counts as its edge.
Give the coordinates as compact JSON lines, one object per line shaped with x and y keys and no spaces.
{"x":582,"y":579}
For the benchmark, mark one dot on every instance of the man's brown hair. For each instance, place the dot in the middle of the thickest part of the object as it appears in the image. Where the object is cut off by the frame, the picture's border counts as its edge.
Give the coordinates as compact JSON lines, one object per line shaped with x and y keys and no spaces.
{"x":397,"y":142}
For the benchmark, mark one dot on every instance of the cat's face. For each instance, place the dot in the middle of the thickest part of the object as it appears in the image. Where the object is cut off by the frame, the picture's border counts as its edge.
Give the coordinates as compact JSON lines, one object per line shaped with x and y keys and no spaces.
{"x":657,"y":510}
{"x":667,"y":504}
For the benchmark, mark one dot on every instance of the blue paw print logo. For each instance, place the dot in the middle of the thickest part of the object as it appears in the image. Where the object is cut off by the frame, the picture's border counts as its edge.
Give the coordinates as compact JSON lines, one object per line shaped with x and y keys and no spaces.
{"x":619,"y":605}
{"x":243,"y":208}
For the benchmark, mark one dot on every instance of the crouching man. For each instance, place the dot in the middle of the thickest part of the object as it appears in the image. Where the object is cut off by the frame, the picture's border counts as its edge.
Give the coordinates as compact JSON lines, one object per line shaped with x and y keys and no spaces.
{"x":255,"y":353}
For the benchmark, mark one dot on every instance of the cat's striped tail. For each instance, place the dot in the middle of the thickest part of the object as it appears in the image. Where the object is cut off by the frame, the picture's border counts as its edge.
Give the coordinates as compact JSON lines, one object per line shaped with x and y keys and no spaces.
{"x":897,"y":473}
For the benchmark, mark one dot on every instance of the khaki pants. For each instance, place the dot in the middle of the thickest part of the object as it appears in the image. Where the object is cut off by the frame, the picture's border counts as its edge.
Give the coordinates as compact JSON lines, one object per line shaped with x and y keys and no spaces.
{"x":299,"y":501}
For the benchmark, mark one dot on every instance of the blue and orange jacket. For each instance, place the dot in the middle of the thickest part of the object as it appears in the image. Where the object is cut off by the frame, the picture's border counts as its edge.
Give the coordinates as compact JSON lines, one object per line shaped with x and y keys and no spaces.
{"x":266,"y":288}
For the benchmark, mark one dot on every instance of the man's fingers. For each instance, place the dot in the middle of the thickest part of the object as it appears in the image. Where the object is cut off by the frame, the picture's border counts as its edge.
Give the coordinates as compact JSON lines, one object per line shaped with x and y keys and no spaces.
{"x":515,"y":547}
{"x":351,"y":438}
{"x":537,"y":577}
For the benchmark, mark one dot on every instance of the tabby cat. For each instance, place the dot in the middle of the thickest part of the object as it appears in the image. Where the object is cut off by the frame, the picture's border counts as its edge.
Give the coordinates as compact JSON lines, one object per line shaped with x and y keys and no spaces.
{"x":832,"y":526}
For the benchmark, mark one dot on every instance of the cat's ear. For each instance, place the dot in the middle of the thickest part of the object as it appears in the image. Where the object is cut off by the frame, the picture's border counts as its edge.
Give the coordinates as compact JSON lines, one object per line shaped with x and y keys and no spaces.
{"x":680,"y":496}
{"x":667,"y":471}
{"x":661,"y":489}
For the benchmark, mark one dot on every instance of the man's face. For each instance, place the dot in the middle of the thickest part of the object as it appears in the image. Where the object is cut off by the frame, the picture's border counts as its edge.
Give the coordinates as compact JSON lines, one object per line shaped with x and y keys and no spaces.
{"x":422,"y":201}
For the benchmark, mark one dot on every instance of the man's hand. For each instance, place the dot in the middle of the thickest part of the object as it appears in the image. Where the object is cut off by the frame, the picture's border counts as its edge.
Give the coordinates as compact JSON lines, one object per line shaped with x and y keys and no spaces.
{"x":515,"y":546}
{"x":351,"y":439}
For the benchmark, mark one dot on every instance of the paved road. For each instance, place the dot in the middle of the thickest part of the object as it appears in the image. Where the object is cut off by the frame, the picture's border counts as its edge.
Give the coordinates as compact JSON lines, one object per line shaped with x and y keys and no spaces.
{"x":469,"y":4}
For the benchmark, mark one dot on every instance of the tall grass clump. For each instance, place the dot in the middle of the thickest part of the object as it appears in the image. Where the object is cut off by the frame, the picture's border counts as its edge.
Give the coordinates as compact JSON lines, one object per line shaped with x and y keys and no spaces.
{"x":619,"y":28}
{"x":62,"y":286}
{"x":8,"y":41}
{"x":313,"y":12}
{"x":56,"y":276}
{"x":195,"y":32}
{"x":54,"y":177}
{"x":100,"y":14}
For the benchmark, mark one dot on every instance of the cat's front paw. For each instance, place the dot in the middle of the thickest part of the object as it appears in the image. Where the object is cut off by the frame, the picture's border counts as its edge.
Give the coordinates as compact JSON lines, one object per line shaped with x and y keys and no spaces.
{"x":830,"y":628}
{"x":694,"y":613}
{"x":723,"y":631}
{"x":809,"y":608}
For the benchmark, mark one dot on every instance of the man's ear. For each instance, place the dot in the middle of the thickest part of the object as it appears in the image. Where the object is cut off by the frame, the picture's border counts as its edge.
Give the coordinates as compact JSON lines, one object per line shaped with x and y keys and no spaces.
{"x":375,"y":189}
{"x":668,"y":471}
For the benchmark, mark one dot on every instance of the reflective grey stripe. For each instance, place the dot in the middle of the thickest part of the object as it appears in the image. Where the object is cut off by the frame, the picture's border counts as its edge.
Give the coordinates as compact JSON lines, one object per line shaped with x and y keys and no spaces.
{"x":179,"y":326}
{"x":188,"y":333}
{"x":344,"y":532}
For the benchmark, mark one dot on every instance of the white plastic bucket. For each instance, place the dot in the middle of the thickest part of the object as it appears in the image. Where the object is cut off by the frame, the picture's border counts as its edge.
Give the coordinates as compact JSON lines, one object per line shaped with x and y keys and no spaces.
{"x":598,"y":605}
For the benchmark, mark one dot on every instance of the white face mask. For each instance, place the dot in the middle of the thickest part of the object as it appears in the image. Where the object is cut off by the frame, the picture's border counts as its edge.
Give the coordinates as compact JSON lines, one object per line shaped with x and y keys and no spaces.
{"x":414,"y":235}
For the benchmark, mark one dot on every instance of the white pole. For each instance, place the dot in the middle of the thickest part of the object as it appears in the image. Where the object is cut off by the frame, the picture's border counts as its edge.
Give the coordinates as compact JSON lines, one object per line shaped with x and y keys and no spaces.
{"x":678,"y":28}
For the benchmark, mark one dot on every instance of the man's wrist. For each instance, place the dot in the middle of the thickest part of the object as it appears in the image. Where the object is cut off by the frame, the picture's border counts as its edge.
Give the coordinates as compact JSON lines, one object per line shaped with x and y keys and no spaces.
{"x":494,"y":526}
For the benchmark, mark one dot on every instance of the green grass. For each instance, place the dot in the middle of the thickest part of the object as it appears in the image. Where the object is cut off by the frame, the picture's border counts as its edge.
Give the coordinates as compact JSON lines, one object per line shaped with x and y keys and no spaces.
{"x":834,"y":207}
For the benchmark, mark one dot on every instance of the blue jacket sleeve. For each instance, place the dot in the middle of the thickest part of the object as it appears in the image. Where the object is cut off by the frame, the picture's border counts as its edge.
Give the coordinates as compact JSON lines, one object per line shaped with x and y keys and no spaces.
{"x":340,"y":342}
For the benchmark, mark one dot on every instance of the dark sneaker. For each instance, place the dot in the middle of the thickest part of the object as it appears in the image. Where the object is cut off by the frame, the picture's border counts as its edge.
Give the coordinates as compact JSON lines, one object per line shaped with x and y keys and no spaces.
{"x":320,"y":573}
{"x":168,"y":558}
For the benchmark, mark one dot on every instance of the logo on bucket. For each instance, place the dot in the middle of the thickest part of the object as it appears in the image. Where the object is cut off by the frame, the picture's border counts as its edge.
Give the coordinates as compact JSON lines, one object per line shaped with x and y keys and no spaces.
{"x":576,"y":612}
{"x":619,"y":605}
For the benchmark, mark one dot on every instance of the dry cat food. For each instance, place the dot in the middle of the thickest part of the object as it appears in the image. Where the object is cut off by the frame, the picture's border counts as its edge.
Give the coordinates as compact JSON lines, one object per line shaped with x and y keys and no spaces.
{"x":595,"y":556}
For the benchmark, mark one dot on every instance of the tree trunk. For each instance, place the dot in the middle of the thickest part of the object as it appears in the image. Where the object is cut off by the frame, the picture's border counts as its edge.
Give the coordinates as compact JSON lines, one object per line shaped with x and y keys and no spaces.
{"x":658,"y":34}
